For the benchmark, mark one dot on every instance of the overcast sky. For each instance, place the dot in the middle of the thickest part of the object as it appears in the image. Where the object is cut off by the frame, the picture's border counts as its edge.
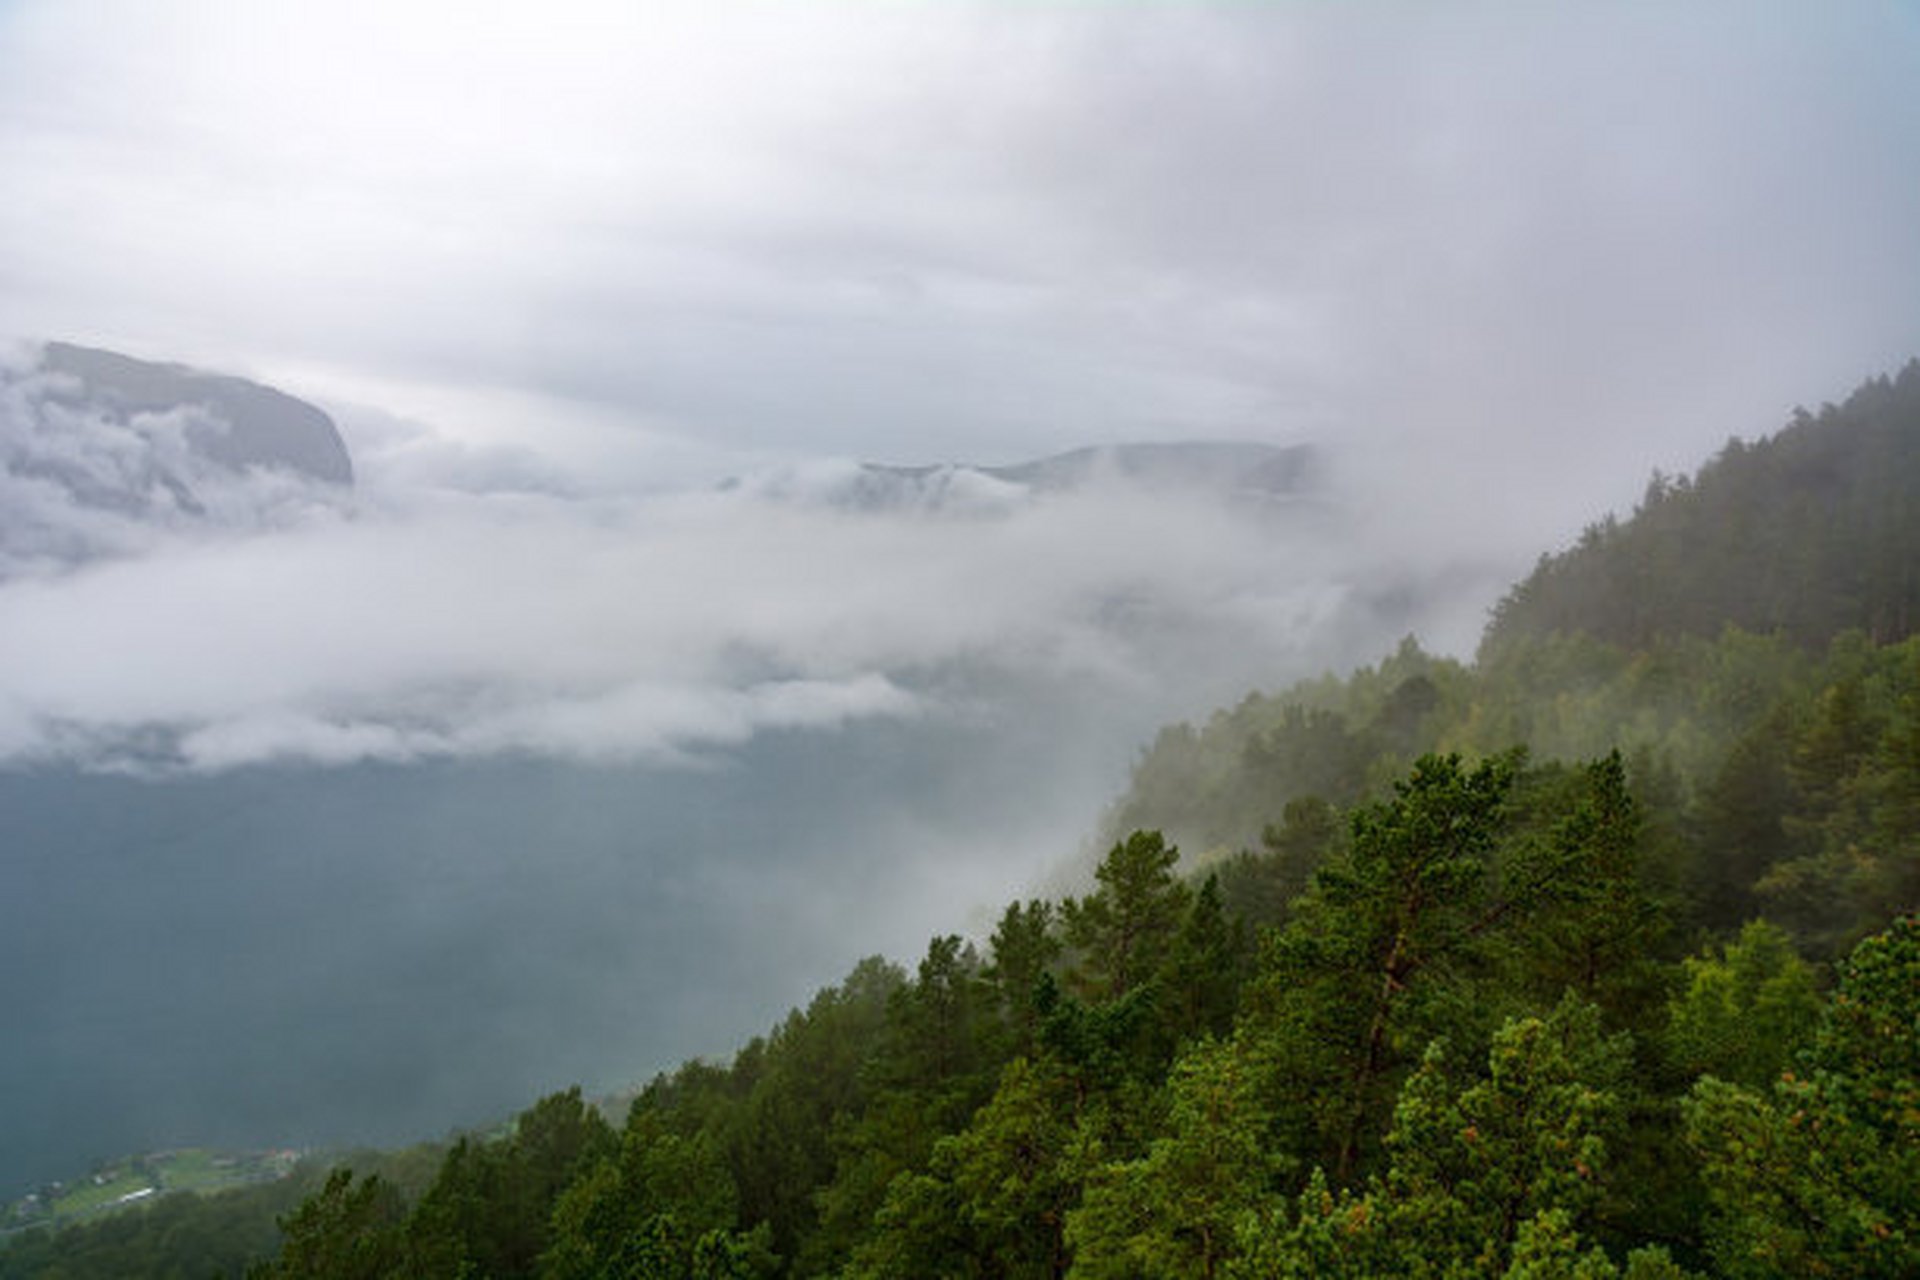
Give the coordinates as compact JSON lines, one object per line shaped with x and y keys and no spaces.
{"x":1596,"y":238}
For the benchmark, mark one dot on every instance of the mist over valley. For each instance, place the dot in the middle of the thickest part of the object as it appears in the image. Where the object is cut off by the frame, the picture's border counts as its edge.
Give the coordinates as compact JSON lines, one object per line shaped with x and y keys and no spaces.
{"x":390,"y":804}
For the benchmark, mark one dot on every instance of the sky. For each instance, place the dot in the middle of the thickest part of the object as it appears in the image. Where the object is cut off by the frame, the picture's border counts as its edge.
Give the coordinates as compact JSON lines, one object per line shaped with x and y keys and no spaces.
{"x":1544,"y":247}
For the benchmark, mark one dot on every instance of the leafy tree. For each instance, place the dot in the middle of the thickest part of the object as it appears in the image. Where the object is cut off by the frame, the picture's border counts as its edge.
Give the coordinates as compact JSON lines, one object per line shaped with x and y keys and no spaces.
{"x":665,"y":1207}
{"x":1331,"y":1235}
{"x":935,"y":1039}
{"x":1808,"y":533}
{"x":1470,"y":1169}
{"x":1821,"y":1175}
{"x":1174,"y":1211}
{"x":810,"y":1078}
{"x":1120,"y":939}
{"x":348,"y":1231}
{"x":1856,"y":772}
{"x":1745,"y":1013}
{"x":1309,"y":827}
{"x":1547,"y":1248}
{"x":488,"y":1209}
{"x":1120,"y":934}
{"x":998,"y":1193}
{"x":1383,"y":924}
{"x":932,"y":1068}
{"x":1492,"y":1178}
{"x":1203,"y":969}
{"x":1023,"y":949}
{"x":1742,"y":820}
{"x":1597,"y":925}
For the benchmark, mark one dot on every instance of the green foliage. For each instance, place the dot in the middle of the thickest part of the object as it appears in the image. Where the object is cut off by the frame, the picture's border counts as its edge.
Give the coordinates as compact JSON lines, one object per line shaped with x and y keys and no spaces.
{"x":1024,"y":948}
{"x":488,"y":1211}
{"x":1376,"y":954}
{"x":1470,"y":1169}
{"x":934,"y":1066}
{"x":185,"y":1235}
{"x":997,"y":1196}
{"x":1120,"y":934}
{"x":1173,"y":1212}
{"x":1821,"y":1175}
{"x":1809,"y":533}
{"x":1219,"y":787}
{"x":1766,"y":781}
{"x":1203,"y":970}
{"x":1333,"y":1235}
{"x":348,"y":1231}
{"x":665,"y":1207}
{"x":1742,"y":822}
{"x":1855,"y":769}
{"x":1492,"y":1178}
{"x":1596,"y":922}
{"x":810,"y":1077}
{"x":1547,"y":1248}
{"x":1746,"y":1012}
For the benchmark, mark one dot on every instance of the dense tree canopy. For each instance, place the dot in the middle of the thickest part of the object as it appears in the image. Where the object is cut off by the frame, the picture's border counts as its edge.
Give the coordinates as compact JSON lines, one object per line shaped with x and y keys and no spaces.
{"x":1808,"y":533}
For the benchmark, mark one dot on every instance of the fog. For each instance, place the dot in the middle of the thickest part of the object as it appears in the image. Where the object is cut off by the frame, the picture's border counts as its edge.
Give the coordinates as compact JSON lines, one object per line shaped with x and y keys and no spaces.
{"x":595,"y":725}
{"x":418,"y":624}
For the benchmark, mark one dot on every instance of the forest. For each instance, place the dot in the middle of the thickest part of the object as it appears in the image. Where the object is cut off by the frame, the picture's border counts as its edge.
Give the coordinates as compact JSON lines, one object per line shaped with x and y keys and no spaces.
{"x":1592,"y":957}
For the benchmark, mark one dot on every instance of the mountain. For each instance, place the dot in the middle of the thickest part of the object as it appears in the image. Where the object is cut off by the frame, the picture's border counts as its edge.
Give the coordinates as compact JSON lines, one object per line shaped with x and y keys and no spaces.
{"x":250,"y":425}
{"x":99,"y":450}
{"x":1746,"y":636}
{"x":1808,"y":533}
{"x":1241,"y":471}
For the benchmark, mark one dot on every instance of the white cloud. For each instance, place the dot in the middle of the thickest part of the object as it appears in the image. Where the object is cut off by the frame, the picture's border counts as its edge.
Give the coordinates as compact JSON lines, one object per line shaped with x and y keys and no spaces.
{"x":656,"y":628}
{"x":81,"y":478}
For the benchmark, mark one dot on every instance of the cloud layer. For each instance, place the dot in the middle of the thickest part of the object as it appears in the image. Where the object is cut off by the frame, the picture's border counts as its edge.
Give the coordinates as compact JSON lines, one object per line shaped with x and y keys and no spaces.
{"x":642,"y":628}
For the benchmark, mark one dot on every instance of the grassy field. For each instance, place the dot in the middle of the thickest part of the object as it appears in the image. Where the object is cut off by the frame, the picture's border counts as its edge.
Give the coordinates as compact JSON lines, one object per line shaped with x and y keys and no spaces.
{"x":100,"y":1192}
{"x":119,"y":1184}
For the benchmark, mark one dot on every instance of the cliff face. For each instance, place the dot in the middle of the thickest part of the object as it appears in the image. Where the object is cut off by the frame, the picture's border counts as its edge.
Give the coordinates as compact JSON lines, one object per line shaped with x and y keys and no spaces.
{"x":249,"y":425}
{"x":98,"y":451}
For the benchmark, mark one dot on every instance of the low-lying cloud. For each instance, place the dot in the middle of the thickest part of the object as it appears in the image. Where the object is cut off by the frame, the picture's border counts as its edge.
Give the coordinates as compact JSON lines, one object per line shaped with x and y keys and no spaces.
{"x":163,"y":612}
{"x":82,"y":479}
{"x":640,"y":628}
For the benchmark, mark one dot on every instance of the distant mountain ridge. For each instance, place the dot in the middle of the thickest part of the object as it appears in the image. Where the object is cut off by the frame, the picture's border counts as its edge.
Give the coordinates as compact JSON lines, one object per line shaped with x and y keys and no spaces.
{"x":1229,"y":465}
{"x":263,"y":426}
{"x":99,"y":450}
{"x":1237,"y":470}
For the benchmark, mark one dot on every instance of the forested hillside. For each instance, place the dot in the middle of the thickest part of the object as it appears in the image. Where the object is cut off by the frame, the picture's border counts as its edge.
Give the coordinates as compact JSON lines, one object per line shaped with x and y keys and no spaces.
{"x":1743,"y":640}
{"x":1807,"y":533}
{"x":1588,"y":959}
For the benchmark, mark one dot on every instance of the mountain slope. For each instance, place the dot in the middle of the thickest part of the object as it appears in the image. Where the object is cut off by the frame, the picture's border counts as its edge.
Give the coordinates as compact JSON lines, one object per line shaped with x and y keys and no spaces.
{"x":1811,"y":532}
{"x":1244,"y":472}
{"x":99,"y":451}
{"x":254,"y":425}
